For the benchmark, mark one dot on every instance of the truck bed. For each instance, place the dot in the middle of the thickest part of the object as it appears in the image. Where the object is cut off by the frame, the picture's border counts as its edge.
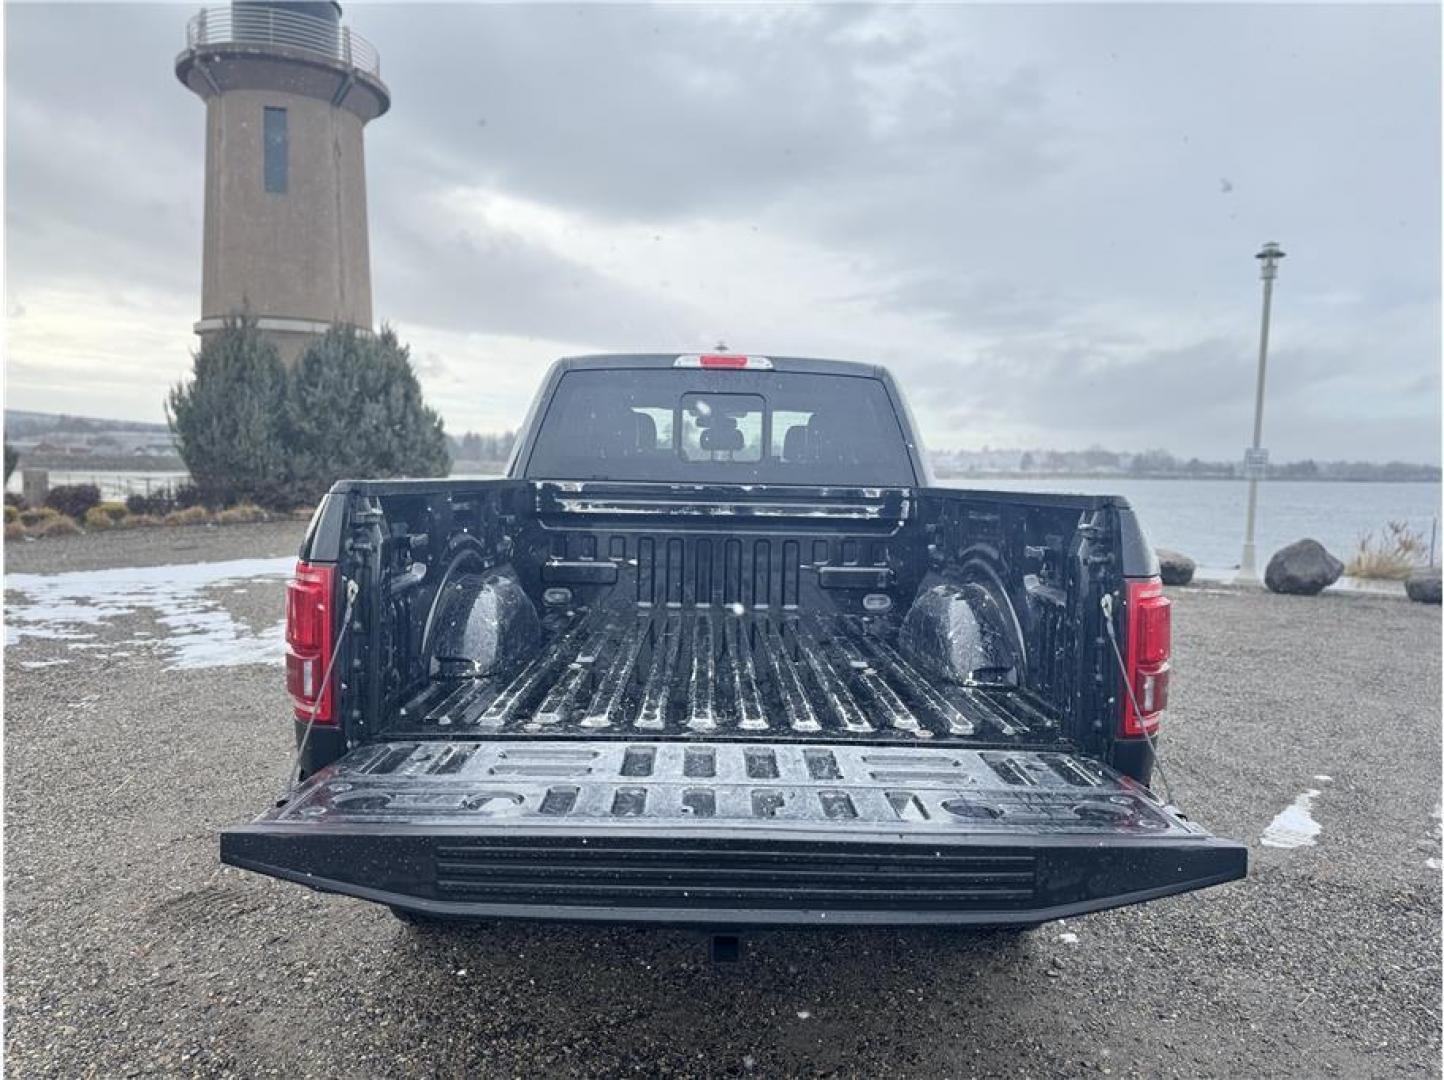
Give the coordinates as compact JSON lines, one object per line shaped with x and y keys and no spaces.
{"x":715,"y":653}
{"x":624,"y":671}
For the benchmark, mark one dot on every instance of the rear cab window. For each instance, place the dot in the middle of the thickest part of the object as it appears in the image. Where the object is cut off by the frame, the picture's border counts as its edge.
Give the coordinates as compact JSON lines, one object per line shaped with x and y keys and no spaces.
{"x":743,"y":427}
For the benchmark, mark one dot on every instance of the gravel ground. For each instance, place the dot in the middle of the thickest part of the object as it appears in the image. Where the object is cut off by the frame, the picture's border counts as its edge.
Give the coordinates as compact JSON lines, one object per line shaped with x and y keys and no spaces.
{"x":130,"y":950}
{"x":153,"y":547}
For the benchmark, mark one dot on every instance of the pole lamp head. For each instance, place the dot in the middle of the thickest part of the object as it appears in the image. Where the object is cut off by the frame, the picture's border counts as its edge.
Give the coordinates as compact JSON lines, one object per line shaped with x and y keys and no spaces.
{"x":1269,"y":257}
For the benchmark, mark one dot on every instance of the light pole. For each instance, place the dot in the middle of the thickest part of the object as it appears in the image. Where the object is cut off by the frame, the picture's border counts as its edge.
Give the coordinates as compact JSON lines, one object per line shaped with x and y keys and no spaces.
{"x":1255,"y":460}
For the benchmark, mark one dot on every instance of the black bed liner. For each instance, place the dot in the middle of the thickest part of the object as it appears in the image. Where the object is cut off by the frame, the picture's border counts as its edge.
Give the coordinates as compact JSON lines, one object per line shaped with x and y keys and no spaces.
{"x":627,"y":671}
{"x":852,"y":786}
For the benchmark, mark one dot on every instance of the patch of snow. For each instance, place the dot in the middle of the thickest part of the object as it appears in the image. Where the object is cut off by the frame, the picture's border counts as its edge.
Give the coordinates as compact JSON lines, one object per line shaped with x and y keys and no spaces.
{"x":71,"y":606}
{"x":33,"y":664}
{"x":1434,"y":864}
{"x":1321,"y":778}
{"x":1068,"y":938}
{"x":1294,"y":826}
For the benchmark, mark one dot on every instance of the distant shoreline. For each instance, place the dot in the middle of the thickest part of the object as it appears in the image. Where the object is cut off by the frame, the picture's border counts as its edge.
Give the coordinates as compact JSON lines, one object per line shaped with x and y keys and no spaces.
{"x":101,"y":464}
{"x":1177,"y":476}
{"x":463,"y":468}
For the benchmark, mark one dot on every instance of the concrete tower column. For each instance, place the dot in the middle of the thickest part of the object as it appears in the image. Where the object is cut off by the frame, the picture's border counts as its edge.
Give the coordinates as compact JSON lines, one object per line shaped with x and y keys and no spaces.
{"x":288,"y":91}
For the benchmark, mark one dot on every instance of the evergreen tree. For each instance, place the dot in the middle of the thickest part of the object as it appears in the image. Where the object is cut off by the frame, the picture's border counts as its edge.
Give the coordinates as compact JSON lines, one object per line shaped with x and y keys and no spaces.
{"x":355,"y":410}
{"x":226,"y":418}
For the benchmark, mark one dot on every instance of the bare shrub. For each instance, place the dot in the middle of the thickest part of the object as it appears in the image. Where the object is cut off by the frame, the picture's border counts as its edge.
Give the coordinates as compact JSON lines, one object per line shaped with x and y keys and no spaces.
{"x":96,"y":518}
{"x":38,"y":516}
{"x":73,"y":500}
{"x":1392,"y":555}
{"x":56,"y":526}
{"x":191,"y":515}
{"x":137,"y":521}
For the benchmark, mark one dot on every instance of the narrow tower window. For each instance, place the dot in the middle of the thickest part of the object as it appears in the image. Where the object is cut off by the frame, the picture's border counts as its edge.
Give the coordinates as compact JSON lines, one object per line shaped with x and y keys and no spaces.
{"x":274,"y":138}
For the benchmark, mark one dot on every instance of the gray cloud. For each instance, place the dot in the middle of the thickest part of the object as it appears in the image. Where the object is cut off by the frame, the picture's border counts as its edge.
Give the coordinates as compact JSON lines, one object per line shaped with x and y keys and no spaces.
{"x":1021,"y":209}
{"x":658,"y":112}
{"x":103,"y":175}
{"x":464,"y":276}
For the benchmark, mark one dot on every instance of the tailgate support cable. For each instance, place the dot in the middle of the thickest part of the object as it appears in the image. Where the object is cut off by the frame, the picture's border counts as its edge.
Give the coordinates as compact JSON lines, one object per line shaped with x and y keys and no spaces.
{"x":352,"y":589}
{"x":1107,"y":605}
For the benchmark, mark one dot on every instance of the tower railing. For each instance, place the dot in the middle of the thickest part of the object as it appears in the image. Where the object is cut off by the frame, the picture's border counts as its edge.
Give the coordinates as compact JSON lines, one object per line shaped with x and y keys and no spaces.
{"x":261,"y":25}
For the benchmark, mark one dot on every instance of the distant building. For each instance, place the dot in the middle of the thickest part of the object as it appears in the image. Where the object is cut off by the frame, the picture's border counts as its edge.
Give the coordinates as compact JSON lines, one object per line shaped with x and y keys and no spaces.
{"x":288,"y":90}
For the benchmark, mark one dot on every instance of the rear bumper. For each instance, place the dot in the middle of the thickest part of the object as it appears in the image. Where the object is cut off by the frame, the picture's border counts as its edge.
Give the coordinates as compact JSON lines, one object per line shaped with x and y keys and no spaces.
{"x":752,"y":881}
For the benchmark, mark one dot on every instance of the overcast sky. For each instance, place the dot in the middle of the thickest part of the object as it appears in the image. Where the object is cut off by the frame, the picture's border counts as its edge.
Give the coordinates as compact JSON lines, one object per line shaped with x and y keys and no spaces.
{"x":1043,"y":218}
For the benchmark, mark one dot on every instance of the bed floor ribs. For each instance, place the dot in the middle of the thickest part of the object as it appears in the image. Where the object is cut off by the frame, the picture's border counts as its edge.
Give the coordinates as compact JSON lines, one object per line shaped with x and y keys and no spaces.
{"x":632,"y":671}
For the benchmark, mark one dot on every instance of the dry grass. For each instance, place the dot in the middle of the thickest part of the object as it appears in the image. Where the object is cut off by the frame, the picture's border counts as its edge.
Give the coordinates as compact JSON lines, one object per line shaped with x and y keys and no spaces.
{"x":1393,"y":555}
{"x":47,"y":521}
{"x":137,"y":521}
{"x":31,"y":519}
{"x":191,"y":515}
{"x":56,"y":526}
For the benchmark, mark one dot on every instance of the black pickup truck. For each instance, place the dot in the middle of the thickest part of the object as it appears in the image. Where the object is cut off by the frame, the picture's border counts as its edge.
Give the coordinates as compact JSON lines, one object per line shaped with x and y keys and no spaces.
{"x":716,"y":652}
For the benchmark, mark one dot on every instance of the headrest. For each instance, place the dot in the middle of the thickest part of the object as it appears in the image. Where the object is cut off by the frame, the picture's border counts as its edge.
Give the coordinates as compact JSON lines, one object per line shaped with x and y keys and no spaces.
{"x":646,"y":432}
{"x":623,"y":433}
{"x":794,"y":443}
{"x":722,"y":438}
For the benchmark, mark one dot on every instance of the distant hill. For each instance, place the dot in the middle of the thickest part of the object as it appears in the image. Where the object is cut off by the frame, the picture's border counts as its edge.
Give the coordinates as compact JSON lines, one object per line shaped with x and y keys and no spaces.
{"x":62,"y":441}
{"x":20,"y":423}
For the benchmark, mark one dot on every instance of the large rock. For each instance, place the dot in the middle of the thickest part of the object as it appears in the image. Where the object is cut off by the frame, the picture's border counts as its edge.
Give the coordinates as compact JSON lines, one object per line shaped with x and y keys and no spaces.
{"x":1175,"y":567}
{"x":1303,"y":568}
{"x":1423,"y":585}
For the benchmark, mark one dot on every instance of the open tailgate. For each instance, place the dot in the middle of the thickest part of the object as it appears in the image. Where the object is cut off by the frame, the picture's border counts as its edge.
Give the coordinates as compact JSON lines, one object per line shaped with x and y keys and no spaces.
{"x":728,"y":833}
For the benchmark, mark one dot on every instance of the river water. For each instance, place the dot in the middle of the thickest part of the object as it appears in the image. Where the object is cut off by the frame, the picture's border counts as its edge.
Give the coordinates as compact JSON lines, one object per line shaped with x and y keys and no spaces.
{"x":1204,"y":519}
{"x":1201,"y":518}
{"x":114,"y":484}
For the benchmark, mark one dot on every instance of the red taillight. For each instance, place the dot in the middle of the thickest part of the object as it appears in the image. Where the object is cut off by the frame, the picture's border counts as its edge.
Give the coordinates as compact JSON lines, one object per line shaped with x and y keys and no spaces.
{"x":308,"y":641}
{"x":724,"y":361}
{"x":1149,"y":645}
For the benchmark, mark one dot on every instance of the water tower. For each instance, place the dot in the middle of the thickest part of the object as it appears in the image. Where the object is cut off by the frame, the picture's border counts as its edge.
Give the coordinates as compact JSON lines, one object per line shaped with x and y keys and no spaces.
{"x":288,"y":91}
